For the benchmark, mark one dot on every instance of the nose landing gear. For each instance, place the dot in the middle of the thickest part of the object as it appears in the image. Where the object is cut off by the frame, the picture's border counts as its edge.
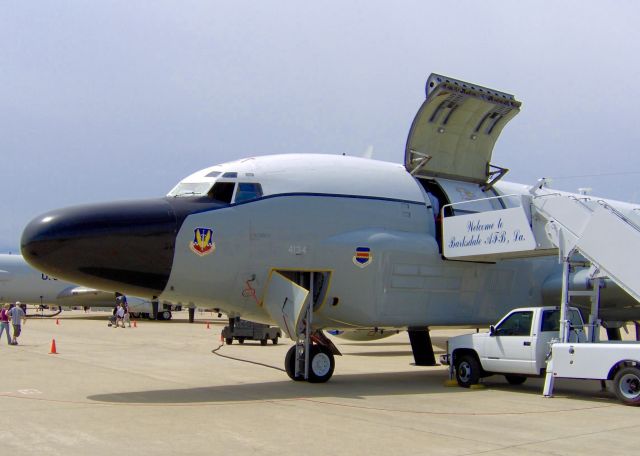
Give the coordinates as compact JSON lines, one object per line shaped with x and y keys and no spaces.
{"x":321,"y":363}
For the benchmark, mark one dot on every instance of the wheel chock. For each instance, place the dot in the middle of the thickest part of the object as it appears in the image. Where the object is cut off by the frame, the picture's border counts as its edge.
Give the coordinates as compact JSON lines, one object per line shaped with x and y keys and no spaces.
{"x":450,"y":383}
{"x":478,"y":386}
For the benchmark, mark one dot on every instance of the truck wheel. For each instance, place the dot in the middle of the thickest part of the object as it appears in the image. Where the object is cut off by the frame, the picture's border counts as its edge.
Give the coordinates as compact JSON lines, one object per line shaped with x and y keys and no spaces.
{"x":627,"y":385}
{"x":467,"y":371}
{"x":275,"y":340}
{"x":229,"y":340}
{"x":290,"y":365}
{"x":166,"y":315}
{"x":321,"y":364}
{"x":264,"y":341}
{"x":515,"y":379}
{"x":241,"y":340}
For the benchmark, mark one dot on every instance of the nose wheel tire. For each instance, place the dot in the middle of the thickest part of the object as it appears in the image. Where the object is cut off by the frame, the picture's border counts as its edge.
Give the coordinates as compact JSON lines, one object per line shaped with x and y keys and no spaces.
{"x":627,"y":385}
{"x":321,"y":364}
{"x":290,"y":365}
{"x":467,"y":371}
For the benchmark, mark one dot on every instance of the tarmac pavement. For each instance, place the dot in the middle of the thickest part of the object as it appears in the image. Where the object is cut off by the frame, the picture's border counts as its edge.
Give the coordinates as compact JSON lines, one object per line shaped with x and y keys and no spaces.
{"x":159,"y":390}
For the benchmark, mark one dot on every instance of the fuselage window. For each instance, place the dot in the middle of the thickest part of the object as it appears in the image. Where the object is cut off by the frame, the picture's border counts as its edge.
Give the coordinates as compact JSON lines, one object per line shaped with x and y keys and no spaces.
{"x":248,"y":191}
{"x":222,"y":191}
{"x":190,"y":189}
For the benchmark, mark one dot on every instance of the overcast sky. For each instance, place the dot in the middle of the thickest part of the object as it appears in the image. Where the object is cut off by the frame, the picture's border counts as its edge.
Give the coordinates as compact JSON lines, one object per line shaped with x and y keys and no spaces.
{"x":106,"y":100}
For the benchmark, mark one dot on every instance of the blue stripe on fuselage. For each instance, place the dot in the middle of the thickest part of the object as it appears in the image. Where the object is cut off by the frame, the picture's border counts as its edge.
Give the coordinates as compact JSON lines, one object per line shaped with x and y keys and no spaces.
{"x":315,"y":195}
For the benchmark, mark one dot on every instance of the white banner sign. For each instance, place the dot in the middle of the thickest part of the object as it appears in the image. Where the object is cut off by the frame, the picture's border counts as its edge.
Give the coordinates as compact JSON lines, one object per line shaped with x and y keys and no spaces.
{"x":487,"y":233}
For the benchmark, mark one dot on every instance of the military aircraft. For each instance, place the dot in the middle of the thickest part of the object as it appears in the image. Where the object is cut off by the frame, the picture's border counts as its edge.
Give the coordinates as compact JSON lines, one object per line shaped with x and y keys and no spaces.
{"x":20,"y":282}
{"x":311,"y":242}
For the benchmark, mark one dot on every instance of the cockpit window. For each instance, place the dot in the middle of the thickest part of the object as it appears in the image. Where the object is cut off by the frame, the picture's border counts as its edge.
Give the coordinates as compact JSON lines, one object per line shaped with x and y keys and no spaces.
{"x":214,"y":174}
{"x":230,"y":175}
{"x":222,"y":191}
{"x":248,"y":191}
{"x":190,"y":189}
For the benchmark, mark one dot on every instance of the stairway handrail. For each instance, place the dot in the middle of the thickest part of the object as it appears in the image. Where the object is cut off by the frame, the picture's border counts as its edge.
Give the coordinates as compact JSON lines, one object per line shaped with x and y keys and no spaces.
{"x":619,"y":214}
{"x":457,"y":203}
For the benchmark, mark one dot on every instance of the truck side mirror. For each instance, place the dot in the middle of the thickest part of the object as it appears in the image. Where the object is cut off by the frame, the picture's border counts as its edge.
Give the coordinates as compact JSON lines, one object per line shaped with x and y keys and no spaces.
{"x":492,"y":330}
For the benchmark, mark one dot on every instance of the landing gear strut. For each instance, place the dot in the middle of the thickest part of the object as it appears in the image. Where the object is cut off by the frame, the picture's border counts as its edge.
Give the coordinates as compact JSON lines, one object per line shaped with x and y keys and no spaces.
{"x":290,"y":300}
{"x":421,"y":346}
{"x":311,"y":358}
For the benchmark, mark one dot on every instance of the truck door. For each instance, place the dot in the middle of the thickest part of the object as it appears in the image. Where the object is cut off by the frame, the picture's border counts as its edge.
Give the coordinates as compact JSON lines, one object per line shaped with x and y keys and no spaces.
{"x":510,"y":348}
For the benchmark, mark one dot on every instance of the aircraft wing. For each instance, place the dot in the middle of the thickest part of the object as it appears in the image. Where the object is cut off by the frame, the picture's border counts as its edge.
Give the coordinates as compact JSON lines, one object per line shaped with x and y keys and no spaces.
{"x":455,"y":129}
{"x":83,"y":296}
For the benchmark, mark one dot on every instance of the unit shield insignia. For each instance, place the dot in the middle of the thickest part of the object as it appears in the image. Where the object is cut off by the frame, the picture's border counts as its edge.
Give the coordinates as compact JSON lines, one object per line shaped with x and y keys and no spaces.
{"x":202,"y":243}
{"x":363,"y":257}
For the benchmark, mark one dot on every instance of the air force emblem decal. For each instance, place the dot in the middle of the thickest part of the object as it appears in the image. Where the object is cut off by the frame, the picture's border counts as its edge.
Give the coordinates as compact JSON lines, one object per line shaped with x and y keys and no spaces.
{"x":202,"y":243}
{"x":363,"y":257}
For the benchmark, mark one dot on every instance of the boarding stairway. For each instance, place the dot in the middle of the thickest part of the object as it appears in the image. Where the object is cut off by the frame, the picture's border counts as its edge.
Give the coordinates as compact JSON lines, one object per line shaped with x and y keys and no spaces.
{"x":547,"y":223}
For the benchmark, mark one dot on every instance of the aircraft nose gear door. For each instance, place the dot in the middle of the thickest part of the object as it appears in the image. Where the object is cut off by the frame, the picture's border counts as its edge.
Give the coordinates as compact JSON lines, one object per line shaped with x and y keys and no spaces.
{"x":288,"y":303}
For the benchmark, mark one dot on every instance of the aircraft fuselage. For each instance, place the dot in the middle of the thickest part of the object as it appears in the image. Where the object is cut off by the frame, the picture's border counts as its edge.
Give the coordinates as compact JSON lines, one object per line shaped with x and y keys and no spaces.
{"x":368,"y":227}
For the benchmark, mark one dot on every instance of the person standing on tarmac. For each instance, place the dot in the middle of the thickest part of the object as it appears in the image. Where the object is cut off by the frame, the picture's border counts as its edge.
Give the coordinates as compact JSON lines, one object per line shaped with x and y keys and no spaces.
{"x":120,"y":315}
{"x":4,"y":322}
{"x":18,"y":318}
{"x":127,"y":317}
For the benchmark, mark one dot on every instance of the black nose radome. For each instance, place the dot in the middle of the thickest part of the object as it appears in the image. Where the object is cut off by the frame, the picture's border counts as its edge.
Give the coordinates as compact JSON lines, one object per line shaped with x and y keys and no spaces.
{"x":125,"y":246}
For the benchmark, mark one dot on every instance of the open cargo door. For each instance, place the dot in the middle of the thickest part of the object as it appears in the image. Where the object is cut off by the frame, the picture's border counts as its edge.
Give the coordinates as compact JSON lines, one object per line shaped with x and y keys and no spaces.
{"x":455,"y":129}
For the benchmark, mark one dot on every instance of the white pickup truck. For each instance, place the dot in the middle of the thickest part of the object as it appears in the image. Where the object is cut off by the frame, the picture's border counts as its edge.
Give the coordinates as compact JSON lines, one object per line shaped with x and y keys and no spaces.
{"x":520,"y":345}
{"x":517,"y":346}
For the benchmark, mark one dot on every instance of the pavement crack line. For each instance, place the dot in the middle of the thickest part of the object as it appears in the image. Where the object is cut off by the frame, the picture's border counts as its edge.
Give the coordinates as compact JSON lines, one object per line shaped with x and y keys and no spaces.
{"x":554,"y":439}
{"x":427,"y":412}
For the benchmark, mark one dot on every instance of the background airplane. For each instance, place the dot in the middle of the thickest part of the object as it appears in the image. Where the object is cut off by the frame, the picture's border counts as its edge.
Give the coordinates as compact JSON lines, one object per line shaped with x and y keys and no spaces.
{"x":310,"y":242}
{"x":20,"y":282}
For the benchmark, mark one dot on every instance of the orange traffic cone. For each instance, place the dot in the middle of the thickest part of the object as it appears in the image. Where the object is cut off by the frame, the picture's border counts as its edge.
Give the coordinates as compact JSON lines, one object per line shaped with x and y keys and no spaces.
{"x":135,"y":324}
{"x":57,"y":321}
{"x":208,"y":325}
{"x":53,"y":347}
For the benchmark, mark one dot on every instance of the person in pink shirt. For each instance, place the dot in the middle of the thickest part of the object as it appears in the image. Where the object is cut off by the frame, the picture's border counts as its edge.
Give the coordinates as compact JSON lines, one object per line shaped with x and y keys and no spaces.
{"x":4,"y":322}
